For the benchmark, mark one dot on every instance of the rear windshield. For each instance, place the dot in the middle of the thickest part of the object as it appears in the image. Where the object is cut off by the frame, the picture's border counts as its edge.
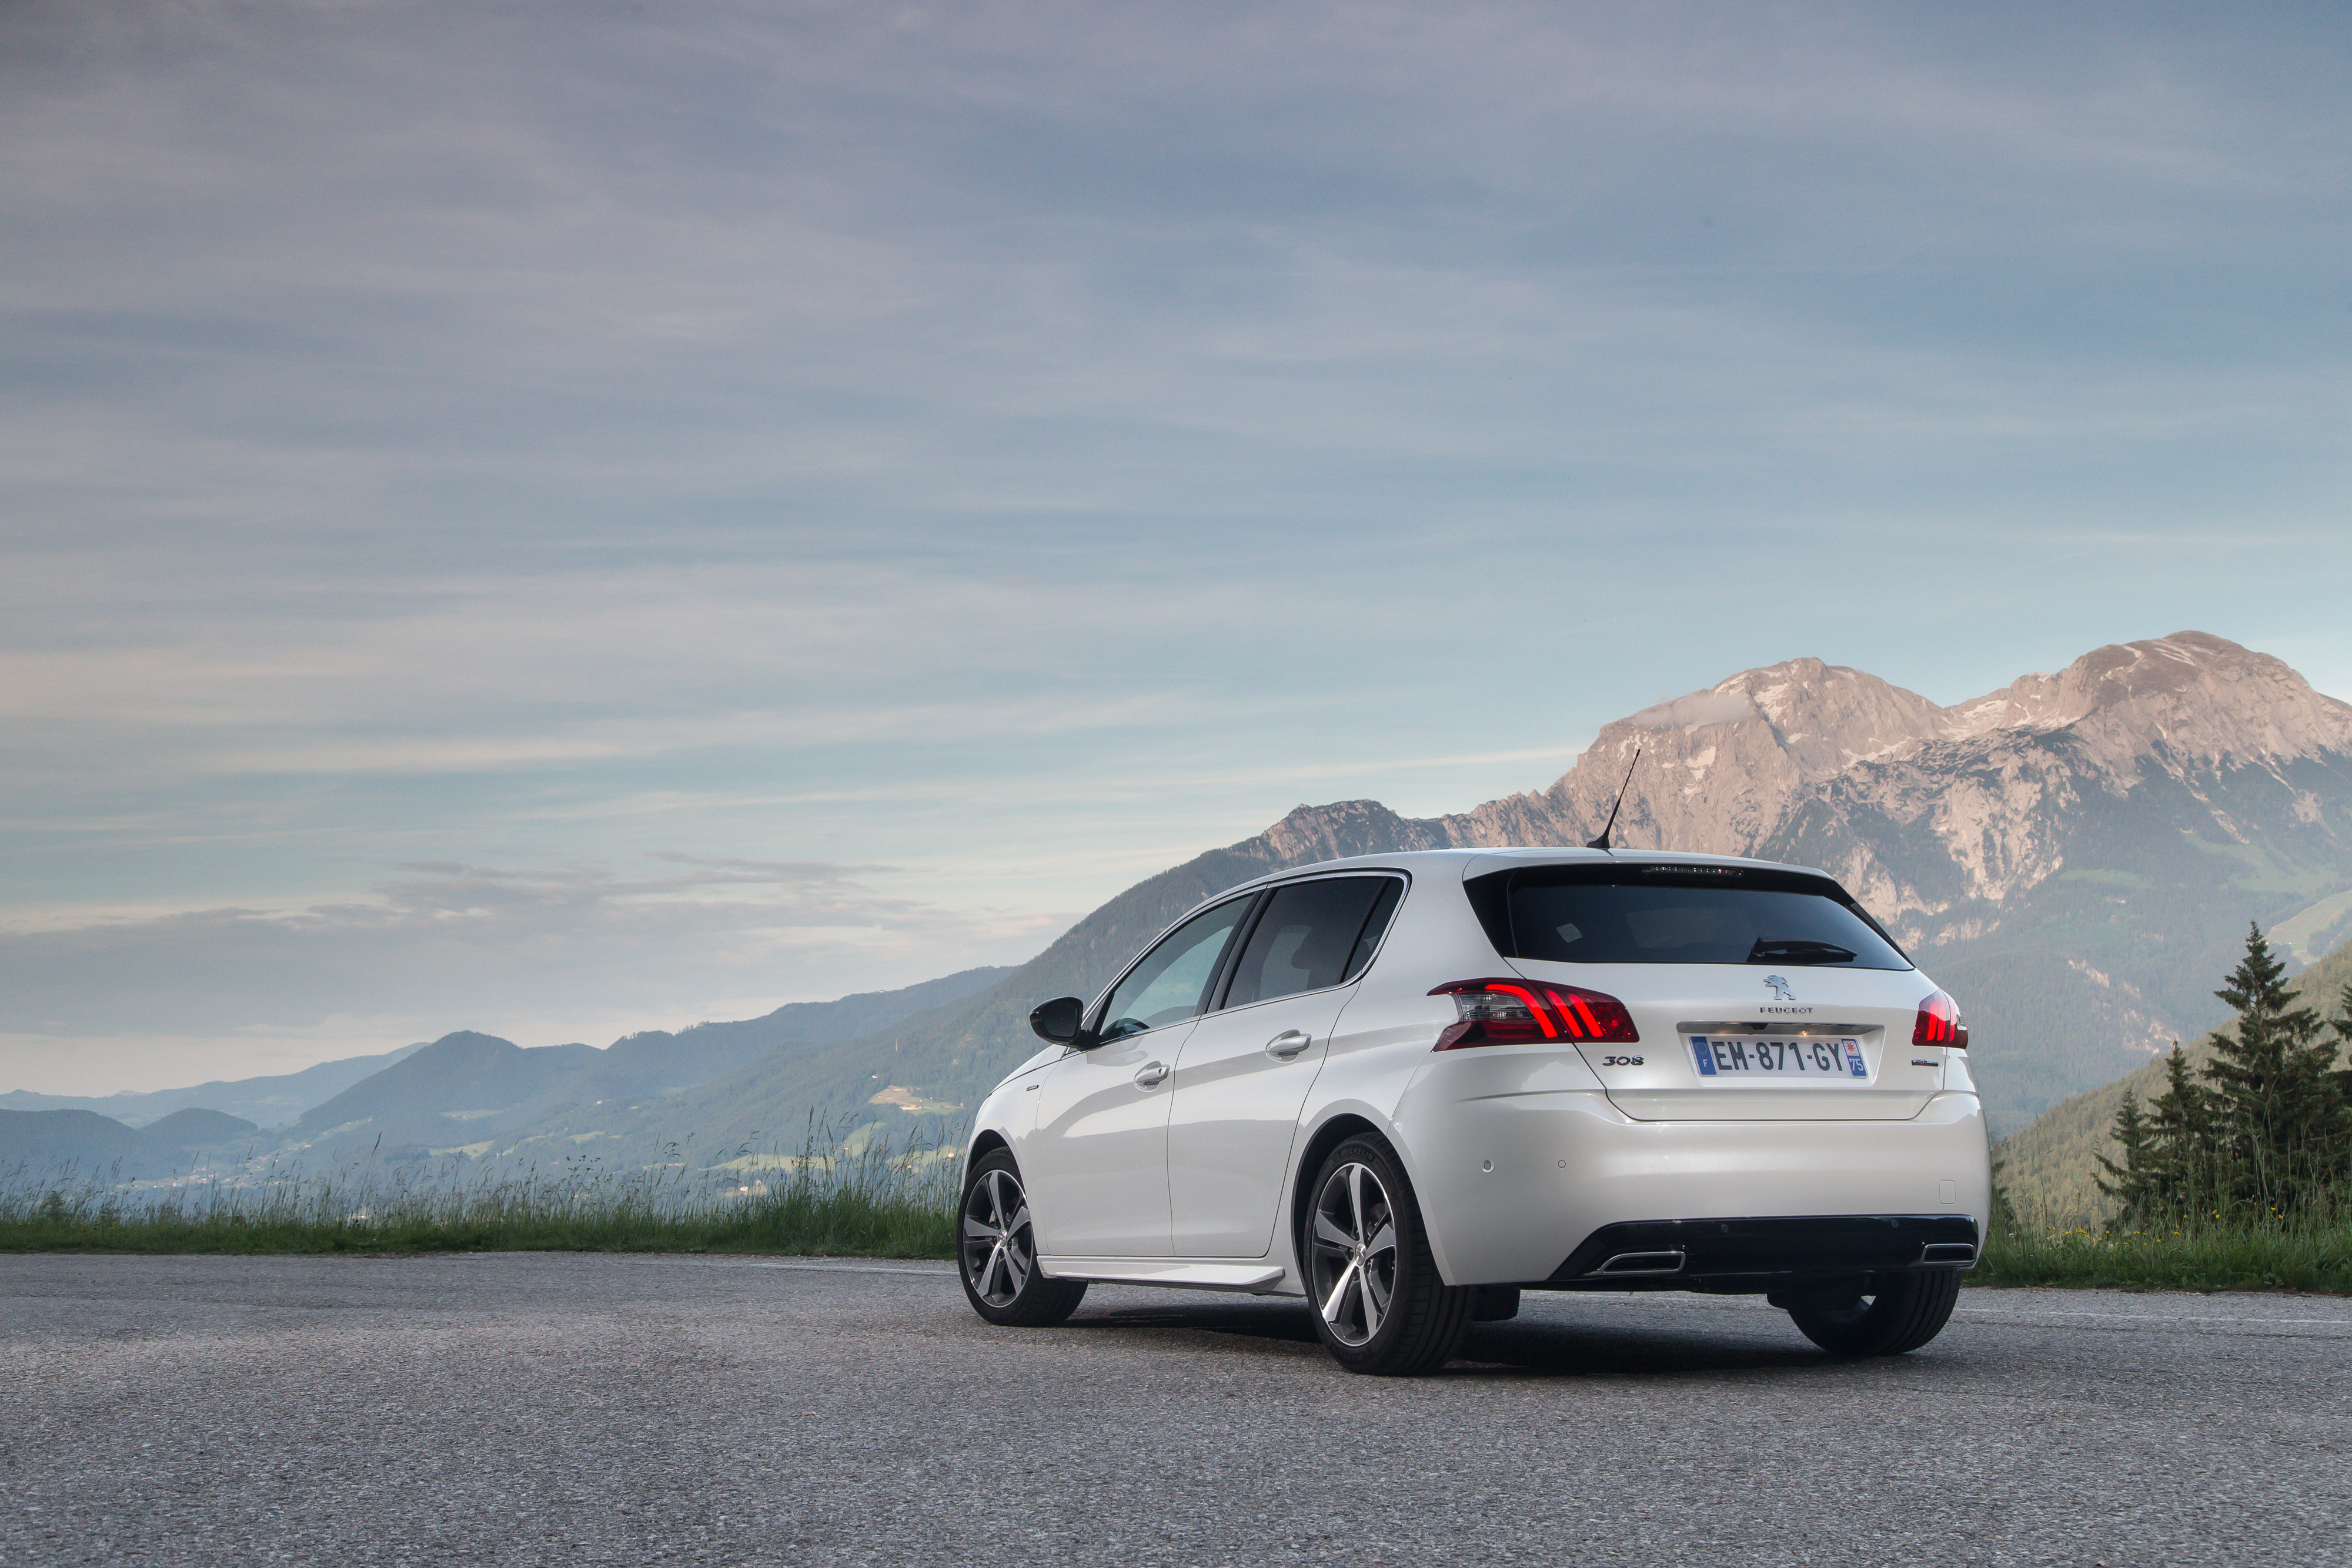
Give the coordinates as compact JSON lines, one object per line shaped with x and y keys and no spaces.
{"x":1678,"y":914}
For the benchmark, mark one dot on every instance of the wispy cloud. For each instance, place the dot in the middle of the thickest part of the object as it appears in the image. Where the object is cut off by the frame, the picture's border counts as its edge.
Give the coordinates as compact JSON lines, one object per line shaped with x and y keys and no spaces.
{"x":1012,"y":442}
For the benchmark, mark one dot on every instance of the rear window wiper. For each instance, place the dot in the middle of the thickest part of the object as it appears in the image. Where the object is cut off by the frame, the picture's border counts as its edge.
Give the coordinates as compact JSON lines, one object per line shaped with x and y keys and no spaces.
{"x":1789,"y":950}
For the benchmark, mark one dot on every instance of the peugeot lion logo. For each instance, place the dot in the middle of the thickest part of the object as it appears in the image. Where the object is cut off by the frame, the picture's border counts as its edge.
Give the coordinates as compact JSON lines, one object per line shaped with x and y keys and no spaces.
{"x":1781,"y":991}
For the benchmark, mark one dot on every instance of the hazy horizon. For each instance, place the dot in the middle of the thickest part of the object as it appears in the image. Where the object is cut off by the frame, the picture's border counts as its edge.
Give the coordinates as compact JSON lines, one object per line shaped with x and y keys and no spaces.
{"x":561,"y":520}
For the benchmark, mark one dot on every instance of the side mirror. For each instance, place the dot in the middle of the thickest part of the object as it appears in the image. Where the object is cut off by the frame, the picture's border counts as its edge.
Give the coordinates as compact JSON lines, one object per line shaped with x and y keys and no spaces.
{"x":1058,"y":1019}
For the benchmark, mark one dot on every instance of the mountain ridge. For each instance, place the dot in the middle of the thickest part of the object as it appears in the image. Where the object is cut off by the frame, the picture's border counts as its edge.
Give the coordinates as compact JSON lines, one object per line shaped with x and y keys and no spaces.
{"x":468,"y":1092}
{"x":2052,"y":851}
{"x":43,"y":1143}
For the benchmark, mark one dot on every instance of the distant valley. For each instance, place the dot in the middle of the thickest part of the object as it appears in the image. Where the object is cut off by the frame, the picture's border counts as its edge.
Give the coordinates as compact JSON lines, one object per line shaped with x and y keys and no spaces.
{"x":465,"y":1095}
{"x":84,"y":1140}
{"x":266,"y":1102}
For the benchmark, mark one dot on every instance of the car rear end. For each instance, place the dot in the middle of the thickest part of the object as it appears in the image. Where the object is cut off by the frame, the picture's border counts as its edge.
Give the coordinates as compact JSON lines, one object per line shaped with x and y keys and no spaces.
{"x":1691,"y":1072}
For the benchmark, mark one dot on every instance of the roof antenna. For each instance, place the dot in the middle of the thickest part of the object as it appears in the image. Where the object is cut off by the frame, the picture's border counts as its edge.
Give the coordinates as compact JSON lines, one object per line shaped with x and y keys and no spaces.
{"x":1603,"y":842}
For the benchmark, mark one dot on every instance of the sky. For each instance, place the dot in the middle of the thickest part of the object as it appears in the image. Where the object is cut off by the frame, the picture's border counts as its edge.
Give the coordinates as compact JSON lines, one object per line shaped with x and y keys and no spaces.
{"x":566,"y":519}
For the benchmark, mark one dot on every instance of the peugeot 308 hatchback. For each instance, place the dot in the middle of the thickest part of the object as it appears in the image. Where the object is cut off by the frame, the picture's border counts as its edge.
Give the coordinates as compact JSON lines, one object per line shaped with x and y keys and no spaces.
{"x":1409,"y":1087}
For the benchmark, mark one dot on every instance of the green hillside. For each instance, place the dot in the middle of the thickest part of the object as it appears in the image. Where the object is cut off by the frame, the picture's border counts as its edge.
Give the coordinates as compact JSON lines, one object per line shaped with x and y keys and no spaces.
{"x":2051,"y":1167}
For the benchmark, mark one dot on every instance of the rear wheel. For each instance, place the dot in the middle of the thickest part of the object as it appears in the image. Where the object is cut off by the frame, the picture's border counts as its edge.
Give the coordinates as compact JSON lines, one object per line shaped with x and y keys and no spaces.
{"x":1380,"y":1306}
{"x":996,"y":1250}
{"x":1902,"y":1317}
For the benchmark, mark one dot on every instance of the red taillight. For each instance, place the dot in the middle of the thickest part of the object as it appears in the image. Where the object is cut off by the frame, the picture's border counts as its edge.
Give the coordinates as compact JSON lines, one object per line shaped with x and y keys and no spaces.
{"x":1512,"y":1012}
{"x":1939,"y":1023}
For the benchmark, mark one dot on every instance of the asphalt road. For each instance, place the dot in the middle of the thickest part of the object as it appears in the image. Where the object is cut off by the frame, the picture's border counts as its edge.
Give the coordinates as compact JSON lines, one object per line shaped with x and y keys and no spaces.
{"x":570,"y":1409}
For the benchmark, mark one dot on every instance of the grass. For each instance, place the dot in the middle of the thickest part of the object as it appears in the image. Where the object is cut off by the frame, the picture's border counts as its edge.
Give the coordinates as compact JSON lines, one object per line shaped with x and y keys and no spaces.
{"x":879,"y":1202}
{"x":2315,"y":1257}
{"x":841,"y":1222}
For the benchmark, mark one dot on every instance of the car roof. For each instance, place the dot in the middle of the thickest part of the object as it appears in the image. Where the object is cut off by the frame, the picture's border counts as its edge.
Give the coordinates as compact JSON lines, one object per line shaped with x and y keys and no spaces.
{"x":1479,"y":861}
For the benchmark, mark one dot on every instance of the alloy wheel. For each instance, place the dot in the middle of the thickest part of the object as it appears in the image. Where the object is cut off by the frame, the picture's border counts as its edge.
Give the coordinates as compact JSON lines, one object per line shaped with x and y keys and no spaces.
{"x":999,"y":1247}
{"x":1354,"y":1267}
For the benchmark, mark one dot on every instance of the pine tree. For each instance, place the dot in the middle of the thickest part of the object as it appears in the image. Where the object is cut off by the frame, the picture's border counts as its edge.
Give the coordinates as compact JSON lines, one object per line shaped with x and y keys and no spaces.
{"x":2279,"y":1116}
{"x":2139,"y":1186}
{"x":2170,"y":1166}
{"x":2264,"y":1128}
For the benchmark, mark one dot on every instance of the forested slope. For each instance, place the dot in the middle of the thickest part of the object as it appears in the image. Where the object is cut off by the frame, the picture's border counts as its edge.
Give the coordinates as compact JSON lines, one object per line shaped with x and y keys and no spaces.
{"x":2051,"y":1168}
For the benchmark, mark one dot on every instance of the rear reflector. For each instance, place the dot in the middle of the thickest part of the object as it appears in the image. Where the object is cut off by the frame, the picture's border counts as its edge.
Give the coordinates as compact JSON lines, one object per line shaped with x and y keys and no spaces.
{"x":1515,"y":1012}
{"x":1939,"y":1023}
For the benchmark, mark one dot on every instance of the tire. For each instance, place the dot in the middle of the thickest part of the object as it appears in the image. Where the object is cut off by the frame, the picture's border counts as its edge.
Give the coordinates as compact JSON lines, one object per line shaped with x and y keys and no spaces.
{"x":1901,"y":1318}
{"x":996,"y":1250}
{"x":1379,"y":1304}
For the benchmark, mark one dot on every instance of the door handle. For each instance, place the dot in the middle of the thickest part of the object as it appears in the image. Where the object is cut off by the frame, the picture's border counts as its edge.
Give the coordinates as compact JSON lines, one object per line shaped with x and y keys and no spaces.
{"x":1289,"y":1043}
{"x":1149,"y":1074}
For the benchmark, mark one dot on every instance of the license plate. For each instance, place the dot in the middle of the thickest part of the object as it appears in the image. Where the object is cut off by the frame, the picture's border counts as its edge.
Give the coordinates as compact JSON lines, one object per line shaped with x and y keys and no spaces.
{"x":1778,"y":1055}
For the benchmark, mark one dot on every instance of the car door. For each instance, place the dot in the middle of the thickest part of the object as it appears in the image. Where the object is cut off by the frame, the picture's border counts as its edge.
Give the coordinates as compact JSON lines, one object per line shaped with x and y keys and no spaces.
{"x":1096,"y":1158}
{"x":1243,"y":1071}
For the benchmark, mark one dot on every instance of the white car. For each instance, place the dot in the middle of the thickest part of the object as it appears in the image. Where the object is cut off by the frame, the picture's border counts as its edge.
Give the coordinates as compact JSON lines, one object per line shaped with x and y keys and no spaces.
{"x":1408,"y":1087}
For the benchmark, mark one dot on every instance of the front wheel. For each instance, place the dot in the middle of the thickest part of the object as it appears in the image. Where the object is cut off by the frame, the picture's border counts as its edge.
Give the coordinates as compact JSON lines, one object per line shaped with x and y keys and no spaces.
{"x":1901,"y":1318}
{"x":1380,"y":1306}
{"x":996,"y":1250}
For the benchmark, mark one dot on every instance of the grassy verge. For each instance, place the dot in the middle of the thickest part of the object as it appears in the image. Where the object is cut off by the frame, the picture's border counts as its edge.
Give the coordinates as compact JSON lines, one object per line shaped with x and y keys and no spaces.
{"x":2315,"y":1257}
{"x":881,"y":1201}
{"x":844,"y":1222}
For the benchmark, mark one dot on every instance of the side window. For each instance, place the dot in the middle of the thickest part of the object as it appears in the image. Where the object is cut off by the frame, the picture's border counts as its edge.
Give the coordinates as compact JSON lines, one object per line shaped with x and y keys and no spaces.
{"x":1306,"y":938}
{"x":1376,"y":926}
{"x":1172,"y":982}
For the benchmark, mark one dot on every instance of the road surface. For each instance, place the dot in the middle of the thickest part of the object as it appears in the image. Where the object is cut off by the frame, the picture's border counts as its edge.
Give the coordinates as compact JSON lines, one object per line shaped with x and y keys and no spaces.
{"x":559,"y":1409}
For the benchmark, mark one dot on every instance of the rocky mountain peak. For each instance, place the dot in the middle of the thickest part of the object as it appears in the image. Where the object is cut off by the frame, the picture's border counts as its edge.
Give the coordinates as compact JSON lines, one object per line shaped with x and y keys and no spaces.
{"x":1719,"y":768}
{"x":1722,"y":770}
{"x":2192,"y":697}
{"x":1790,"y":759}
{"x":1827,"y":717}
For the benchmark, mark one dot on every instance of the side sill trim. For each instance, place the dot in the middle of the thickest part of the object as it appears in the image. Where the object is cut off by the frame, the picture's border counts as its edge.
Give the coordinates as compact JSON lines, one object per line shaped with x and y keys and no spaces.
{"x":1189,"y":1273}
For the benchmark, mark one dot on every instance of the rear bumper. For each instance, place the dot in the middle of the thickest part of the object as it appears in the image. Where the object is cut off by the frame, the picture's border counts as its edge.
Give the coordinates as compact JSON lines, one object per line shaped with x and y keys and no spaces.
{"x":1513,"y":1185}
{"x":1764,"y":1253}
